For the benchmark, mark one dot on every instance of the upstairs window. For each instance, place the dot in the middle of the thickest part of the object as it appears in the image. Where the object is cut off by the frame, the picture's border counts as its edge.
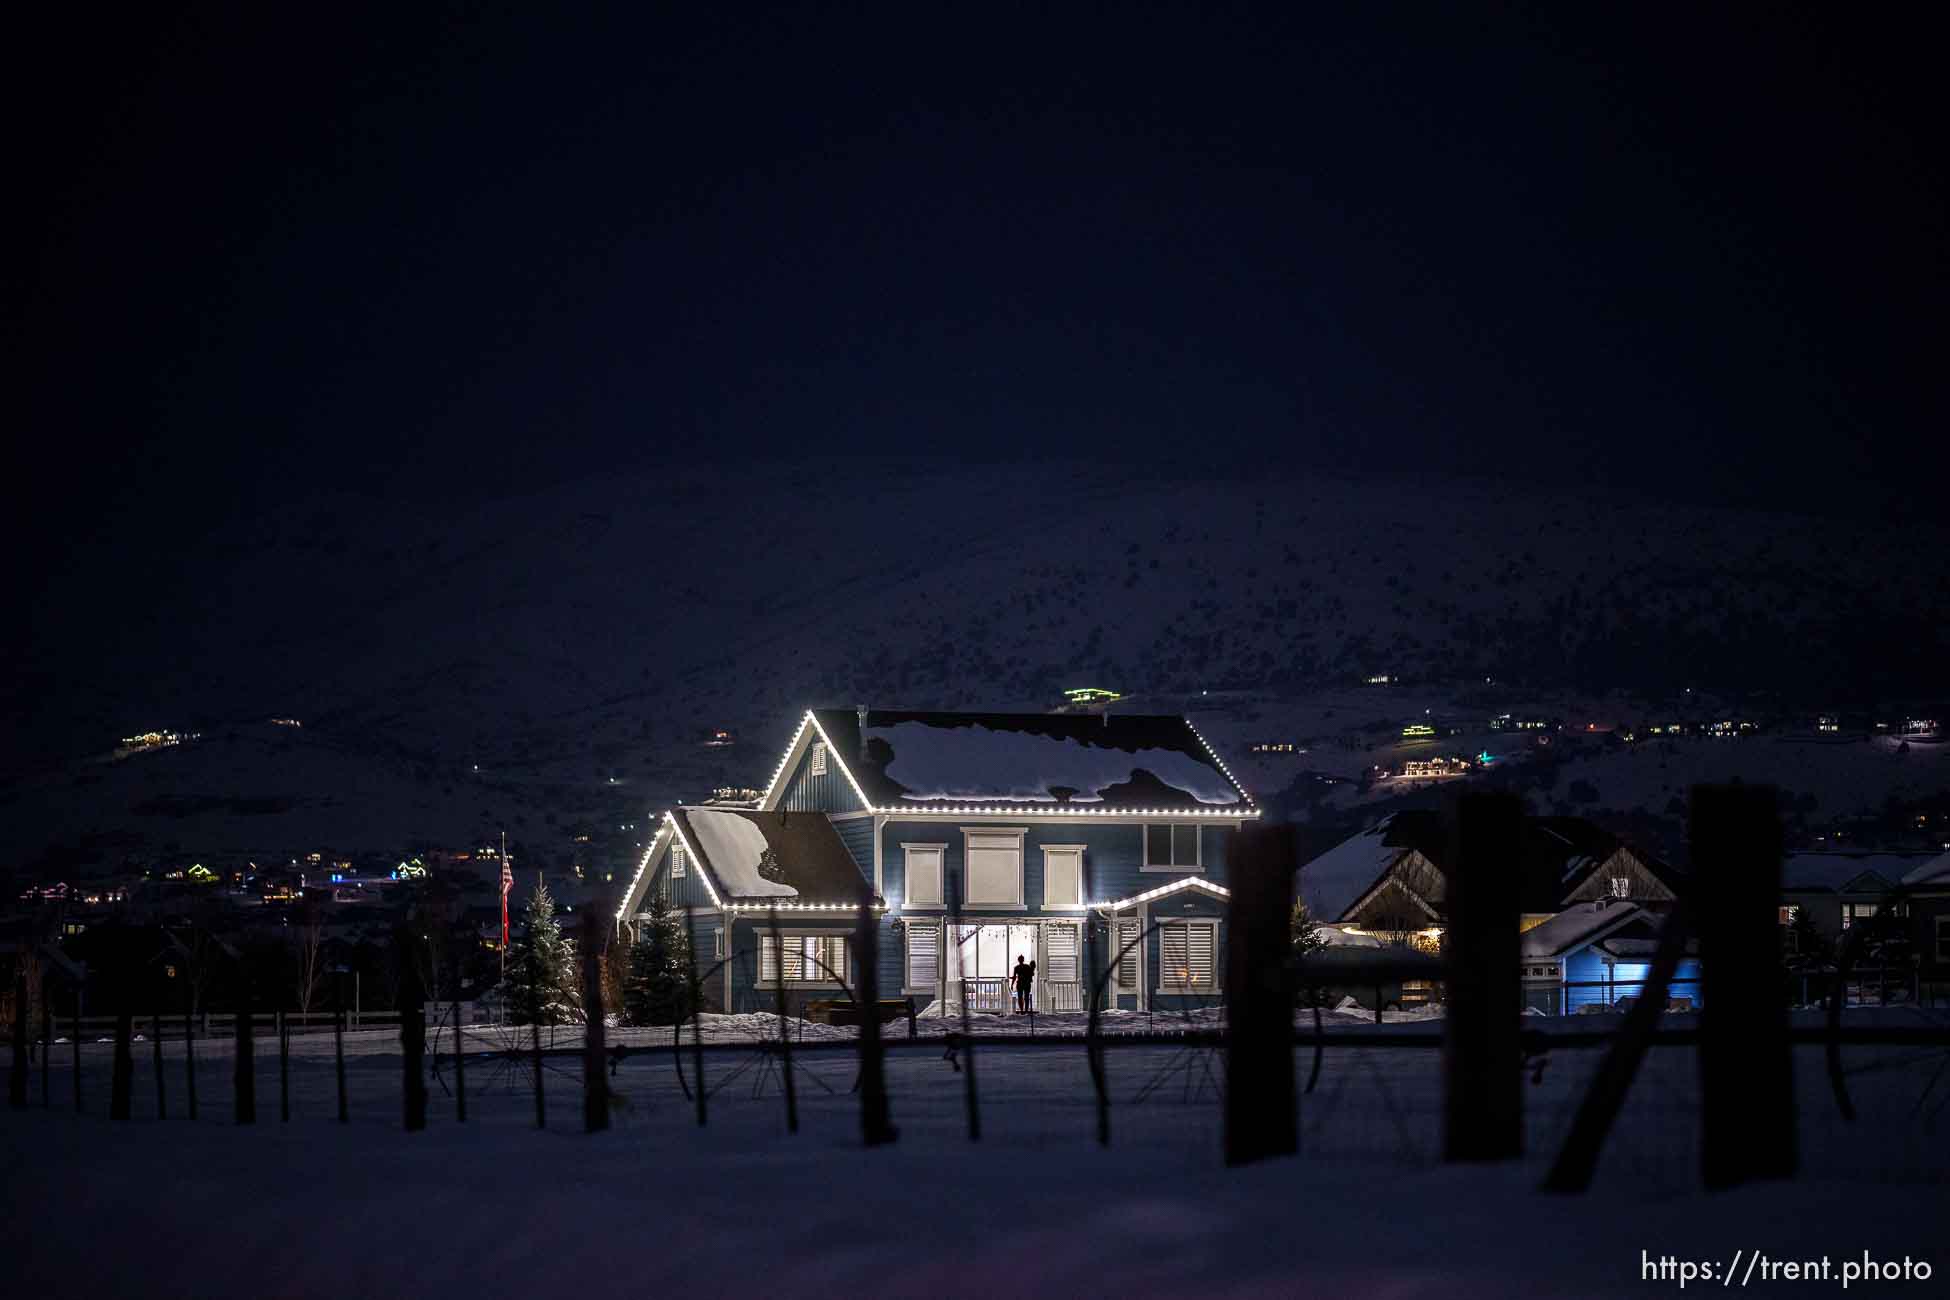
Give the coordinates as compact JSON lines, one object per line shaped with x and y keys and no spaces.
{"x":1063,"y":875}
{"x":676,"y":860}
{"x":1621,"y":886}
{"x":992,"y":874}
{"x":1171,"y":847}
{"x":923,"y":874}
{"x":816,"y":759}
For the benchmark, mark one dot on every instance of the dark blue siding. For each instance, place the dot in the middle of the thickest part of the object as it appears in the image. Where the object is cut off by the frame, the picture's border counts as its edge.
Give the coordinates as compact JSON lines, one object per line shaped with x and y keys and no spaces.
{"x":857,"y":834}
{"x":829,"y":791}
{"x":1113,"y":858}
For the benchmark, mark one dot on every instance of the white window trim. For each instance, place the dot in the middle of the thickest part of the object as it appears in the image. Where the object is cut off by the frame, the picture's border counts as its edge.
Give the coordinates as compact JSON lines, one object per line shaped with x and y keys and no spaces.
{"x":717,"y":943}
{"x":1021,"y":833}
{"x":1079,"y":850}
{"x":677,"y":867}
{"x":1188,"y":990}
{"x":940,"y":942}
{"x":816,"y":759}
{"x":941,"y":882}
{"x":1198,"y":848}
{"x":824,"y":981}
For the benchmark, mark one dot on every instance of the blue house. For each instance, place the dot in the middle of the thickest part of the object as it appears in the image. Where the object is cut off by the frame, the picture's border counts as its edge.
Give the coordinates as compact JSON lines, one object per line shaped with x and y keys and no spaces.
{"x":981,"y":838}
{"x":1591,"y":955}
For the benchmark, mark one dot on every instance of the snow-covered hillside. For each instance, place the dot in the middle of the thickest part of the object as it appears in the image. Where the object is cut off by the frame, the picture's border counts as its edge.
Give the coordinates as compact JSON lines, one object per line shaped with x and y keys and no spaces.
{"x":576,"y":646}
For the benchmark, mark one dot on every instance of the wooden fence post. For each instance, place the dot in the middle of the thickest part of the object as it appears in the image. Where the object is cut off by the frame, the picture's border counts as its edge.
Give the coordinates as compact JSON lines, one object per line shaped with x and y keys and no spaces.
{"x":121,"y":1086}
{"x":1261,"y":1109}
{"x":243,"y":1071}
{"x":1747,"y":1121}
{"x":17,"y":1077}
{"x":1481,"y":1043}
{"x":697,"y":1000}
{"x":189,"y":1045}
{"x":971,"y":1095}
{"x":785,"y":1037}
{"x":284,"y":1069}
{"x":338,"y":1040}
{"x":535,"y":1030}
{"x":876,"y":1125}
{"x":460,"y":1046}
{"x":155,"y":1044}
{"x":412,"y":1025}
{"x":595,"y":1073}
{"x":74,"y":1041}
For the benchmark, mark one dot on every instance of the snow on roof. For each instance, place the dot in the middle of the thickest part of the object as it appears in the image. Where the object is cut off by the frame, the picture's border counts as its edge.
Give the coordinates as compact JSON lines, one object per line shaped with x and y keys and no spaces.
{"x":1934,"y":872}
{"x":1832,"y":871}
{"x":1576,"y":926}
{"x":732,"y":845}
{"x":1335,"y":937}
{"x":1123,"y":760}
{"x":1331,"y":883}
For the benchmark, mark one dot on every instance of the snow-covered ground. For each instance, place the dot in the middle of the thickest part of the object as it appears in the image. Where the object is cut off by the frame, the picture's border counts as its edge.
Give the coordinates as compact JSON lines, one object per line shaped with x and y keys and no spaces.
{"x":495,"y":1206}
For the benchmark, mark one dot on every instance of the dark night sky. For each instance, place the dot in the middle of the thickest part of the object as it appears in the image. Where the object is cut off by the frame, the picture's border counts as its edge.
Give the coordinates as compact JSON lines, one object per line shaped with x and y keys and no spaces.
{"x":435,"y":254}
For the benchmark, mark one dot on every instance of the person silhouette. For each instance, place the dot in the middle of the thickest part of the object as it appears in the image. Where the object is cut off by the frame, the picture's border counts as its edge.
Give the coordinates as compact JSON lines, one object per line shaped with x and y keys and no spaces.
{"x":1025,"y":978}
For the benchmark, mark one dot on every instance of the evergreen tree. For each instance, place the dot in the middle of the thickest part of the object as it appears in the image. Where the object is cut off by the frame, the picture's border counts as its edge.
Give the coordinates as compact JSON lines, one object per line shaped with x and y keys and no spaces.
{"x":1306,"y":939}
{"x":542,"y":969}
{"x":656,"y":990}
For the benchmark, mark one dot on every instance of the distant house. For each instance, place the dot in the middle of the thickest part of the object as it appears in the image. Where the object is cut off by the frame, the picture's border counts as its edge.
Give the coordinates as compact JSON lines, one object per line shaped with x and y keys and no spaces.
{"x":1046,"y":831}
{"x":1392,"y":877}
{"x":1592,"y":955}
{"x":1836,"y":890}
{"x":1924,"y":892}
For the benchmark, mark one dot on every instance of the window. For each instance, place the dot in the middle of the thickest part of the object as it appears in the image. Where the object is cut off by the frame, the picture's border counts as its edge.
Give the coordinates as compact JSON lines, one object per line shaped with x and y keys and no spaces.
{"x":1853,"y":912}
{"x":816,"y":759}
{"x":1127,"y":952}
{"x":924,"y":874}
{"x":1063,"y":875}
{"x":808,"y":959}
{"x":992,"y":870}
{"x":1188,"y":956}
{"x":1060,"y":953}
{"x":676,"y":861}
{"x":717,"y":943}
{"x":923,"y":956}
{"x":1788,"y":913}
{"x":1171,"y":847}
{"x":1621,"y":886}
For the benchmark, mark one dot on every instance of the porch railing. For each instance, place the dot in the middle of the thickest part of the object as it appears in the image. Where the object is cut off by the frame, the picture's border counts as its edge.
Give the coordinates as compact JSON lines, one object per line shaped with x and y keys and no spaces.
{"x":1062,"y":995}
{"x":990,"y":995}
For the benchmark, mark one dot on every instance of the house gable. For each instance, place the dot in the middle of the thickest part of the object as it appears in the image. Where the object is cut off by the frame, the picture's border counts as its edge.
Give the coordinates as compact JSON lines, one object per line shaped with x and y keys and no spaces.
{"x":1596,"y":881}
{"x":813,"y":776}
{"x":1411,"y":887}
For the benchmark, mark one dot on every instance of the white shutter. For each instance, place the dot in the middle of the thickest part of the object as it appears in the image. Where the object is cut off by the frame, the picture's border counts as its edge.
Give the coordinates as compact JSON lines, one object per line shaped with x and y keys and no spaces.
{"x":923,"y":956}
{"x":768,"y":960}
{"x":1062,"y":877}
{"x":994,"y":869}
{"x":1060,"y":953}
{"x":924,"y":876}
{"x":1127,"y":965}
{"x":1186,"y":955}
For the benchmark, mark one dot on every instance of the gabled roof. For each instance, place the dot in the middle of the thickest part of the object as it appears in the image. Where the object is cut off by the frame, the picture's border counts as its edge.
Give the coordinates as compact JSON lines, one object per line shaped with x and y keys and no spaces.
{"x":1556,"y":855}
{"x":901,"y":760}
{"x":1934,"y":872}
{"x":1578,"y":926}
{"x":808,"y":865}
{"x":1838,"y":873}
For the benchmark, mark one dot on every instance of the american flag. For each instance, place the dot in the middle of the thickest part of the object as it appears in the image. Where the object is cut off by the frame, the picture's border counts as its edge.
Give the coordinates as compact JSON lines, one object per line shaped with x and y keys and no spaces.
{"x":507,"y":883}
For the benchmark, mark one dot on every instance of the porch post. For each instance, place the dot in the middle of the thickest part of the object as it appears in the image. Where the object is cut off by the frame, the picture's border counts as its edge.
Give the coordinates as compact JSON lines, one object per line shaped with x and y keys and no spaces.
{"x":1143,"y":942}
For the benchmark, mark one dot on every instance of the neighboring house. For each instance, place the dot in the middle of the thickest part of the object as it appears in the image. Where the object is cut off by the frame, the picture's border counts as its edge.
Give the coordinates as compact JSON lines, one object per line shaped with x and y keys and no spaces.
{"x":1047,"y":833}
{"x":1835,"y":890}
{"x":1925,"y":891}
{"x":1591,"y":955}
{"x":1392,"y":877}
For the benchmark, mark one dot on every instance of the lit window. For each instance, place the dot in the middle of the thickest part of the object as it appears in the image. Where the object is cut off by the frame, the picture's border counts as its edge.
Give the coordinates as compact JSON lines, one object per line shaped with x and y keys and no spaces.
{"x":676,"y":860}
{"x":1172,"y":847}
{"x":1621,"y":886}
{"x":1188,"y":956}
{"x":816,"y":760}
{"x":1063,"y":875}
{"x":1853,"y":912}
{"x":924,"y":874}
{"x":717,"y":943}
{"x":809,"y":959}
{"x":992,"y":868}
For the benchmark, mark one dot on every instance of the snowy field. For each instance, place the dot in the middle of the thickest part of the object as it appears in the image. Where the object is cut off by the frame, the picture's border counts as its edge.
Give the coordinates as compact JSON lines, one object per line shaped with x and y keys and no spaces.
{"x":1036,"y":1207}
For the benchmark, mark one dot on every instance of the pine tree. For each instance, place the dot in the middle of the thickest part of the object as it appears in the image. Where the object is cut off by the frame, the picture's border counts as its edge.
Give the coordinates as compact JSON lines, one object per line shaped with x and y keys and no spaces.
{"x":656,"y":989}
{"x":1307,"y":940}
{"x":542,"y":969}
